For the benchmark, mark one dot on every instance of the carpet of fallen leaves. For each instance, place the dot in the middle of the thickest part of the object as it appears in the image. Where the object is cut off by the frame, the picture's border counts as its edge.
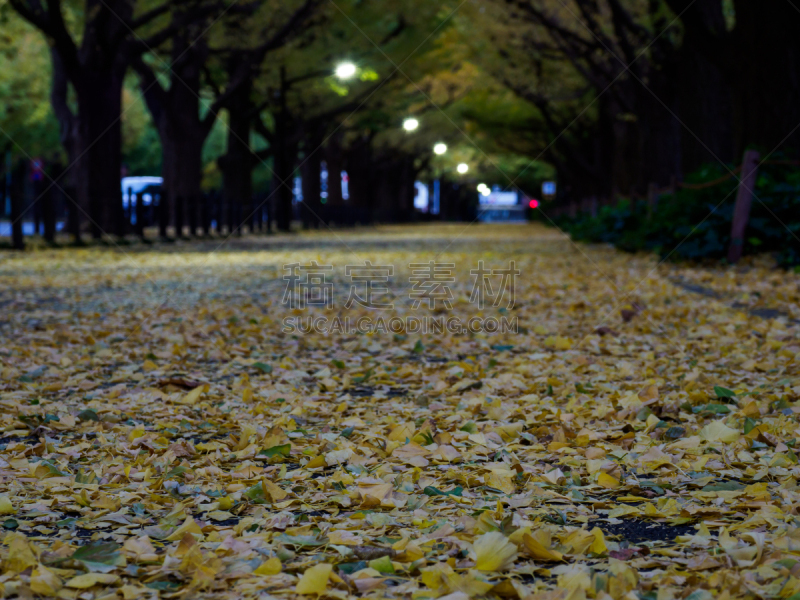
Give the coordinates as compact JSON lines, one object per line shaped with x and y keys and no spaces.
{"x":161,"y":436}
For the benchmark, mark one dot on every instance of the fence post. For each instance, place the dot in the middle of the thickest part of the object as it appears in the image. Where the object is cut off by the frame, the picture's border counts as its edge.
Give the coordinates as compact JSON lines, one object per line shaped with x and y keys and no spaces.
{"x":741,"y":210}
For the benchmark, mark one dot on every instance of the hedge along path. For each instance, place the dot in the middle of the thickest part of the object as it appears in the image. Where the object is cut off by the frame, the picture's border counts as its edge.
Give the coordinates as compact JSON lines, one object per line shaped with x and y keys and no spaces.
{"x":193,"y":449}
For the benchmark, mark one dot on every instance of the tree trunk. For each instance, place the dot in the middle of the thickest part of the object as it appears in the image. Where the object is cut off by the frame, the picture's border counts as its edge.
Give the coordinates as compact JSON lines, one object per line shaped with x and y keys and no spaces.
{"x":140,"y":210}
{"x":182,"y":146}
{"x":763,"y":71}
{"x":17,"y":241}
{"x":386,"y":192}
{"x":284,"y":166}
{"x":284,"y":162}
{"x":405,"y":204}
{"x":176,"y":113}
{"x":48,"y":202}
{"x":163,"y":213}
{"x":363,"y":180}
{"x":655,"y":140}
{"x":705,"y":108}
{"x":237,"y":163}
{"x":100,"y":143}
{"x":68,"y":134}
{"x":312,"y":184}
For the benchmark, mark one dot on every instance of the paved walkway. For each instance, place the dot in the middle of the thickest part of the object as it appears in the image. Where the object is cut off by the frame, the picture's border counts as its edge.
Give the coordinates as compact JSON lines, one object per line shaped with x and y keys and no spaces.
{"x":237,"y":404}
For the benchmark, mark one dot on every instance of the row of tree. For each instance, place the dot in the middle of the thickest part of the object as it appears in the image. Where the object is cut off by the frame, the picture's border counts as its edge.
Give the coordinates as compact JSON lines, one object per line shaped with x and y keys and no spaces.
{"x":631,"y":93}
{"x":264,"y":67}
{"x":608,"y":96}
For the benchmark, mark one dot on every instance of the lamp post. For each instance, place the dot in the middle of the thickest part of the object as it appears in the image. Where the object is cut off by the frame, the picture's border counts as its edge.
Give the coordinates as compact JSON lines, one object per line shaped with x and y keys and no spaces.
{"x":345,"y":70}
{"x":410,"y":124}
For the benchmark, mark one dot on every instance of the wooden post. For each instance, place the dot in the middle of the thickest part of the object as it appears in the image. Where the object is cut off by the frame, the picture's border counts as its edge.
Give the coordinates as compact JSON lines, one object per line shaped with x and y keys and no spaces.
{"x":741,"y":211}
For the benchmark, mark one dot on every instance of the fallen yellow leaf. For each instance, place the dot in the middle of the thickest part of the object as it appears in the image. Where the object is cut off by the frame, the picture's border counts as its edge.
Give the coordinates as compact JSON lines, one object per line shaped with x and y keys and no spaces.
{"x":607,"y":481}
{"x":314,"y":580}
{"x":538,"y":551}
{"x":88,"y":580}
{"x":494,"y":552}
{"x":271,"y":566}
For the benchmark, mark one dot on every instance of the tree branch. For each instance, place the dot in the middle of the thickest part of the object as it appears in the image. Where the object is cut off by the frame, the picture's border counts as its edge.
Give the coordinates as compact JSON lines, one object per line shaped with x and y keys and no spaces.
{"x":297,"y":20}
{"x":33,"y":12}
{"x":51,"y":23}
{"x":58,"y":100}
{"x":150,"y":15}
{"x":155,"y":96}
{"x":261,"y":129}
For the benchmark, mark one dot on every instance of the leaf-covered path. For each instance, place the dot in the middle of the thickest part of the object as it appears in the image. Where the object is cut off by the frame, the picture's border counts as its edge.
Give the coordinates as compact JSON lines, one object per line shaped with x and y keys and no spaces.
{"x":166,"y":433}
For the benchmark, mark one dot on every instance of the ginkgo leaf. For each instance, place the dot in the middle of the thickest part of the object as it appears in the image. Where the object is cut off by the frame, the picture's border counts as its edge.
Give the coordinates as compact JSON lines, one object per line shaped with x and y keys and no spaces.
{"x":717,"y":431}
{"x":154,"y":456}
{"x":607,"y":481}
{"x":314,"y":579}
{"x":271,"y":566}
{"x":493,"y":552}
{"x":44,"y":582}
{"x":6,"y":507}
{"x":538,"y":551}
{"x":88,"y":580}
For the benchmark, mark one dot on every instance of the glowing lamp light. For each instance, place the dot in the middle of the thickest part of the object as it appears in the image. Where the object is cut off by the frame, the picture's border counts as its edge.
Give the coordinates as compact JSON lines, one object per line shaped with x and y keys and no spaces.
{"x":534,"y":203}
{"x":481,"y":187}
{"x":485,"y":191}
{"x":440,"y":148}
{"x":410,"y":124}
{"x":462,"y":168}
{"x":345,"y":70}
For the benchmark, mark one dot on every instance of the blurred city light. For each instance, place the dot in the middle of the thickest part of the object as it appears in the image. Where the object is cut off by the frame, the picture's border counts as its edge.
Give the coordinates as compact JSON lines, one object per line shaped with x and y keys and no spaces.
{"x":440,"y":148}
{"x":345,"y":70}
{"x":481,"y":186}
{"x":534,"y":203}
{"x":462,"y":168}
{"x":485,"y":191}
{"x":410,"y":124}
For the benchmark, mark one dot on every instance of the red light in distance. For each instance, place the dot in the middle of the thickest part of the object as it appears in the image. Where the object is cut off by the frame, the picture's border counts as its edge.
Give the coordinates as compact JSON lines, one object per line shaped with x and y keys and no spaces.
{"x":533,"y":203}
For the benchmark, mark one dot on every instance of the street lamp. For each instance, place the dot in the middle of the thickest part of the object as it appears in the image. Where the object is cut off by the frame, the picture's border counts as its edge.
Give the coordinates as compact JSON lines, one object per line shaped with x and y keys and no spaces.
{"x":462,"y":168}
{"x":410,"y":124}
{"x":440,"y":148}
{"x":345,"y":70}
{"x":481,"y":187}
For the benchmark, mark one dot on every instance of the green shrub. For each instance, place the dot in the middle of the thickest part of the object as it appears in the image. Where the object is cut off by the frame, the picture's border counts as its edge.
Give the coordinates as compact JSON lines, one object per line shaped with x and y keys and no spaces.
{"x":695,"y":224}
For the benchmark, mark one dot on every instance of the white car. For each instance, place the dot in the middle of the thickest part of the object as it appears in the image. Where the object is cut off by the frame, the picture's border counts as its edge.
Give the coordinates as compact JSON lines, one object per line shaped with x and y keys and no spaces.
{"x":137,"y":185}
